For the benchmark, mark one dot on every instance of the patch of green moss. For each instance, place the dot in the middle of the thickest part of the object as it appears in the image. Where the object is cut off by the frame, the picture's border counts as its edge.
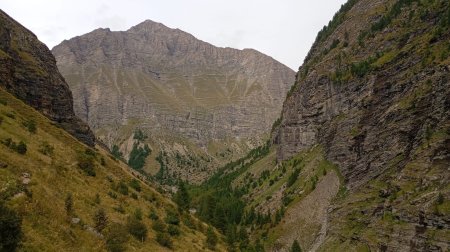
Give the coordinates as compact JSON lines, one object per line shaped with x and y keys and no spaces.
{"x":386,"y":58}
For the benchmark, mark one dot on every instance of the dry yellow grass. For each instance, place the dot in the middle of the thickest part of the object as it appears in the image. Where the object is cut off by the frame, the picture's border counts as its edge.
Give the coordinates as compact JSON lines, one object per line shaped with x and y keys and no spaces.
{"x":46,"y":225}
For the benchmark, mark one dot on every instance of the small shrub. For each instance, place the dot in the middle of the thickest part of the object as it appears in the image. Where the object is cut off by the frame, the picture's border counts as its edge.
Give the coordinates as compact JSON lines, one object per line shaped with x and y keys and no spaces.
{"x":152,"y":215}
{"x":287,"y":200}
{"x":100,"y":220}
{"x":134,"y":196}
{"x":211,"y":238}
{"x":172,"y":218}
{"x":10,"y":115}
{"x":97,"y":199}
{"x":173,"y":230}
{"x":134,"y":183}
{"x":314,"y":182}
{"x":440,"y":199}
{"x":334,"y":44}
{"x":116,"y":237}
{"x":137,"y":214}
{"x":87,"y":163}
{"x":21,"y":148}
{"x":295,"y":247}
{"x":102,"y":161}
{"x":159,"y":226}
{"x":31,"y":126}
{"x":10,"y":229}
{"x":46,"y":148}
{"x":293,"y":177}
{"x":189,"y":222}
{"x":89,"y":152}
{"x":113,"y":195}
{"x":164,"y":239}
{"x":122,"y":188}
{"x":68,"y":204}
{"x":7,"y":142}
{"x":119,"y":209}
{"x":137,"y":229}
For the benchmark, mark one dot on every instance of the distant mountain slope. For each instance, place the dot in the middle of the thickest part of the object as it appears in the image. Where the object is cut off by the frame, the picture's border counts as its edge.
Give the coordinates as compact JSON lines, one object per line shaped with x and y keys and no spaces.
{"x":28,"y":70}
{"x":170,"y":84}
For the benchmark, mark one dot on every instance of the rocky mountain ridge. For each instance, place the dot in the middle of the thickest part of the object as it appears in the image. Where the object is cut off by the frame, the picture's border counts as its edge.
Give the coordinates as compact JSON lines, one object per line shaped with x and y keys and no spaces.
{"x":374,"y":94}
{"x":171,"y":85}
{"x":28,"y":70}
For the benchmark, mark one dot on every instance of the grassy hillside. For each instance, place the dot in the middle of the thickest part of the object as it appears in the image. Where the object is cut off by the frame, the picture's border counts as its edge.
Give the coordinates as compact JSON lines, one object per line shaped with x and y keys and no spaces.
{"x":61,"y":190}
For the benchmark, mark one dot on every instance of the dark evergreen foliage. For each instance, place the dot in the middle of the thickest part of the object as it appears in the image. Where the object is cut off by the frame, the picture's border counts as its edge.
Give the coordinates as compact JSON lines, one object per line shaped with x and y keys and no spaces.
{"x":182,"y":196}
{"x":296,"y":247}
{"x":116,"y":152}
{"x":138,"y":156}
{"x":10,"y":229}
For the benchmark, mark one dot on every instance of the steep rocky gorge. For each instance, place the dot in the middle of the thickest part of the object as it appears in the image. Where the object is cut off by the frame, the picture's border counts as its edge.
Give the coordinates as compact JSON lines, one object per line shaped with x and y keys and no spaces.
{"x":172,"y":86}
{"x":374,"y":92}
{"x":28,"y":71}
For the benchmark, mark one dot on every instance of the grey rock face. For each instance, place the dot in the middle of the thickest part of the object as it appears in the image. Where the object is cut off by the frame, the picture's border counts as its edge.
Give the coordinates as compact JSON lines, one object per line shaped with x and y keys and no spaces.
{"x":166,"y":80}
{"x":28,"y":71}
{"x":364,"y":122}
{"x":378,"y":102}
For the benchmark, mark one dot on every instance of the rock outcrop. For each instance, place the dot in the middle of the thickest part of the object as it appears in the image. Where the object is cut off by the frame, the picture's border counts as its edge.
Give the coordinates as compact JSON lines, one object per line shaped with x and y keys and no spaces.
{"x":165,"y":80}
{"x":369,"y":96}
{"x":28,"y":70}
{"x":374,"y":92}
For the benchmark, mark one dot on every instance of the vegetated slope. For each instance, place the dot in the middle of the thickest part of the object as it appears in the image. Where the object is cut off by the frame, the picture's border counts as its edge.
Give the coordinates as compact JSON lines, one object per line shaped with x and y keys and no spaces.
{"x":262,"y":205}
{"x":374,"y":93}
{"x":198,"y":104}
{"x":28,"y":70}
{"x":58,"y":186}
{"x":57,"y":194}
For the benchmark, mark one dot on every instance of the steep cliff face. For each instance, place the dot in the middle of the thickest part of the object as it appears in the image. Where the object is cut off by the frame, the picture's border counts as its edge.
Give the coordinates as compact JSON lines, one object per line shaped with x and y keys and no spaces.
{"x":169,"y":80}
{"x":374,"y":92}
{"x":28,"y":71}
{"x":187,"y":95}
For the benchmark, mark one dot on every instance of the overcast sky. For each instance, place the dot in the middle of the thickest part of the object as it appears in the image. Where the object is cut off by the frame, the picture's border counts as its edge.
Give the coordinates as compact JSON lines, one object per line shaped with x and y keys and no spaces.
{"x":283,"y":29}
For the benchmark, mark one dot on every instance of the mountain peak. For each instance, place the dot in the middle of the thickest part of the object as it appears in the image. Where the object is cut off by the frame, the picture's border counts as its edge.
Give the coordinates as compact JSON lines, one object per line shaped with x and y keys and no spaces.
{"x":149,"y":26}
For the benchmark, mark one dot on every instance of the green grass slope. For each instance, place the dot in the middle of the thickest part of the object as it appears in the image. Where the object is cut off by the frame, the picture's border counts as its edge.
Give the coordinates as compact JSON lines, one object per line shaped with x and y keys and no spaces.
{"x":35,"y":186}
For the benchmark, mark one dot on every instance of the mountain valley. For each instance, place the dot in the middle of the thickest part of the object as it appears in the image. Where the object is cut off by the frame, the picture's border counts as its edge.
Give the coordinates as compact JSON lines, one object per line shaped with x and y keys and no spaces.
{"x":162,"y":142}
